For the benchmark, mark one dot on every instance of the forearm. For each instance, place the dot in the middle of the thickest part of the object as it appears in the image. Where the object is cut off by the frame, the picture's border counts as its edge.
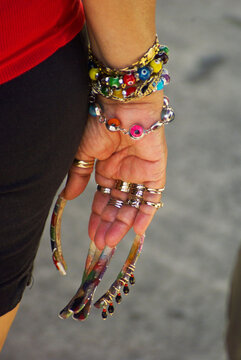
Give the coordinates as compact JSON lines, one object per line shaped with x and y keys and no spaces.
{"x":120,"y":31}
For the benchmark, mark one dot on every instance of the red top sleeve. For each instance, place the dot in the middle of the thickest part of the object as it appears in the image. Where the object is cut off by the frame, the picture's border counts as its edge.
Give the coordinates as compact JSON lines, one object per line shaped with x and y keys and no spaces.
{"x":31,"y":31}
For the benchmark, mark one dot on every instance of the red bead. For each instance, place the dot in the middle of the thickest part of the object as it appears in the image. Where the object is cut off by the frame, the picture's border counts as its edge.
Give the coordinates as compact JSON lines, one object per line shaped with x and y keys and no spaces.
{"x":130,"y":90}
{"x":129,"y":79}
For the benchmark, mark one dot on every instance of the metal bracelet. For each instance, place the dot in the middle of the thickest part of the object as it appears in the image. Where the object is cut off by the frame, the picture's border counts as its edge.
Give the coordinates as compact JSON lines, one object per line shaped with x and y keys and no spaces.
{"x":136,"y":131}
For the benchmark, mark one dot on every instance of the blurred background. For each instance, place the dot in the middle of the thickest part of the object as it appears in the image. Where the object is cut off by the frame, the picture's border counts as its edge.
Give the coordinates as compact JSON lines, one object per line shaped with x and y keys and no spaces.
{"x":177,"y":309}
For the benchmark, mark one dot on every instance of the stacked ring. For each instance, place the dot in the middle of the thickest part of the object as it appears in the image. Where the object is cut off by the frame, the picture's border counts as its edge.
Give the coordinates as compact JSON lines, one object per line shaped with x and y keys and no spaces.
{"x":137,"y":190}
{"x":84,"y":164}
{"x":116,"y":202}
{"x":122,"y":186}
{"x":103,"y":190}
{"x":134,"y":202}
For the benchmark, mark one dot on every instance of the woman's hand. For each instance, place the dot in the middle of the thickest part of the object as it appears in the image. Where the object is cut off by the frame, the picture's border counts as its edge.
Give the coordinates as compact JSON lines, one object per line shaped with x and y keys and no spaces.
{"x":120,"y":157}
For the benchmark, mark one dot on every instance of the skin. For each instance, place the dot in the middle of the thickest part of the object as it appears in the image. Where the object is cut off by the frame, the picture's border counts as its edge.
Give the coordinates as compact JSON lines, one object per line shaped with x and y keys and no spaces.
{"x":142,"y":161}
{"x":5,"y":324}
{"x":120,"y":33}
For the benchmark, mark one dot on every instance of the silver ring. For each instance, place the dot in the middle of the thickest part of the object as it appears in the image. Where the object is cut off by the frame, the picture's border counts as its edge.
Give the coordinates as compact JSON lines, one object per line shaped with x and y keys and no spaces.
{"x":116,"y":202}
{"x":137,"y":190}
{"x":155,"y":191}
{"x":156,"y":205}
{"x":122,"y":186}
{"x":134,"y":202}
{"x":103,"y":190}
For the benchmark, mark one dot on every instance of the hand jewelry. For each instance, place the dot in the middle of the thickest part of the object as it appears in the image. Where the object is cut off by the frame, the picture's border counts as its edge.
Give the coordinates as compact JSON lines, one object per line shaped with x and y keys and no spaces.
{"x":84,"y":164}
{"x":136,"y":131}
{"x":95,"y":267}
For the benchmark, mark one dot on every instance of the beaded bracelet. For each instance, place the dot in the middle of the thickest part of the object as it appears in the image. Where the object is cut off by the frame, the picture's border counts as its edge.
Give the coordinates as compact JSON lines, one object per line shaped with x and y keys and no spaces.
{"x":140,"y":79}
{"x":136,"y":131}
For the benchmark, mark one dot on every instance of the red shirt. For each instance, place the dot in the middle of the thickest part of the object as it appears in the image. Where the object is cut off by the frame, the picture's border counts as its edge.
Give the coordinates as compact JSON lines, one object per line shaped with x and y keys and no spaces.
{"x":32,"y":30}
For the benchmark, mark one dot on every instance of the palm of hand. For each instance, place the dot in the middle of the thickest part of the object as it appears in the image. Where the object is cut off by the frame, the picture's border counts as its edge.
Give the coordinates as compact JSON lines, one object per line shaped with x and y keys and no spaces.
{"x":119,"y":157}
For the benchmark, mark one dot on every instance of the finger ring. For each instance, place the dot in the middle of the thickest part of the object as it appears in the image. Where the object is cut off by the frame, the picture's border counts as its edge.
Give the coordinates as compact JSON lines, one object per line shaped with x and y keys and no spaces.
{"x":155,"y":191}
{"x":103,"y":190}
{"x":116,"y":202}
{"x":122,"y":186}
{"x":156,"y":205}
{"x":134,"y":202}
{"x":137,"y":190}
{"x":84,"y":164}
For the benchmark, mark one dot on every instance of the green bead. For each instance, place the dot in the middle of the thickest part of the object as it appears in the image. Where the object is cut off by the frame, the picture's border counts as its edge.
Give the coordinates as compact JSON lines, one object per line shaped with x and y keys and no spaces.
{"x":164,"y":49}
{"x":105,"y":90}
{"x":114,"y":82}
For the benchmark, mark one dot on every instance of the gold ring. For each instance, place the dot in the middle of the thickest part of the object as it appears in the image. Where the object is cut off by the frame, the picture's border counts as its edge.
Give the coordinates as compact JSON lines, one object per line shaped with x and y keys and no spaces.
{"x":84,"y":164}
{"x":155,"y":191}
{"x":122,"y":186}
{"x":103,"y":190}
{"x":156,"y":205}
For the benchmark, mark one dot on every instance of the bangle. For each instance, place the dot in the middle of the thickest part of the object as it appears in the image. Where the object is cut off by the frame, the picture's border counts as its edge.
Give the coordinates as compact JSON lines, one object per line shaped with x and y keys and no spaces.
{"x":136,"y":131}
{"x":139,"y":79}
{"x":156,"y":50}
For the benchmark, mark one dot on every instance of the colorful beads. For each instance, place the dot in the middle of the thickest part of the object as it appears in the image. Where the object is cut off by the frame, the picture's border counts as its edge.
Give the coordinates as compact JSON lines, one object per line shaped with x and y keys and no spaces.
{"x":126,"y":289}
{"x":105,"y":90}
{"x":164,"y":49}
{"x":144,"y":73}
{"x":118,"y":93}
{"x":163,"y":57}
{"x":113,"y":124}
{"x":104,"y":314}
{"x":128,"y":91}
{"x":132,"y":82}
{"x":94,"y":74}
{"x":132,"y":279}
{"x":156,"y":65}
{"x":111,"y":309}
{"x":94,"y":110}
{"x":136,"y":131}
{"x":160,"y":85}
{"x":129,"y":79}
{"x":114,"y":82}
{"x":166,"y":79}
{"x":118,"y":298}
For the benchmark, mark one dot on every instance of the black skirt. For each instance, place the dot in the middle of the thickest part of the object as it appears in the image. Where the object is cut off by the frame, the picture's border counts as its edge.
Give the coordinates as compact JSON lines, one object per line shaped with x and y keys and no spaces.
{"x":42,"y":117}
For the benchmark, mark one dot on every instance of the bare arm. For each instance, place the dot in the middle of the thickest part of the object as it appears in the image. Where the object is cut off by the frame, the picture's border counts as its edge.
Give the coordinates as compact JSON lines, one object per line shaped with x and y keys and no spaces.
{"x":120,"y":31}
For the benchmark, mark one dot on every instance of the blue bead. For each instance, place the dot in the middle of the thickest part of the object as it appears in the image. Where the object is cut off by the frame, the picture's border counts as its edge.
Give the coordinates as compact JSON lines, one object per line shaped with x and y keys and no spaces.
{"x":144,"y":73}
{"x":92,"y":110}
{"x":160,"y":85}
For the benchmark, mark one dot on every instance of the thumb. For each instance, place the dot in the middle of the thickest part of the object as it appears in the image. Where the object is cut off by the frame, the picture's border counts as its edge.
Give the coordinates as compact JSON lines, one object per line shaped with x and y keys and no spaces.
{"x":76,"y":182}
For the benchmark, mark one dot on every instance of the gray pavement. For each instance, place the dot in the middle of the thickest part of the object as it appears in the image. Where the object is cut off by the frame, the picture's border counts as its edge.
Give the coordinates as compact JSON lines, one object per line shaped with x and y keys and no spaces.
{"x":177,"y":308}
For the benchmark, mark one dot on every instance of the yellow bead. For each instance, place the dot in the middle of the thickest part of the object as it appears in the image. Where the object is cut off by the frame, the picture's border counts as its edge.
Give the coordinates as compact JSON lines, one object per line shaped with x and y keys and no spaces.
{"x":156,"y":65}
{"x":118,"y":93}
{"x":93,"y":73}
